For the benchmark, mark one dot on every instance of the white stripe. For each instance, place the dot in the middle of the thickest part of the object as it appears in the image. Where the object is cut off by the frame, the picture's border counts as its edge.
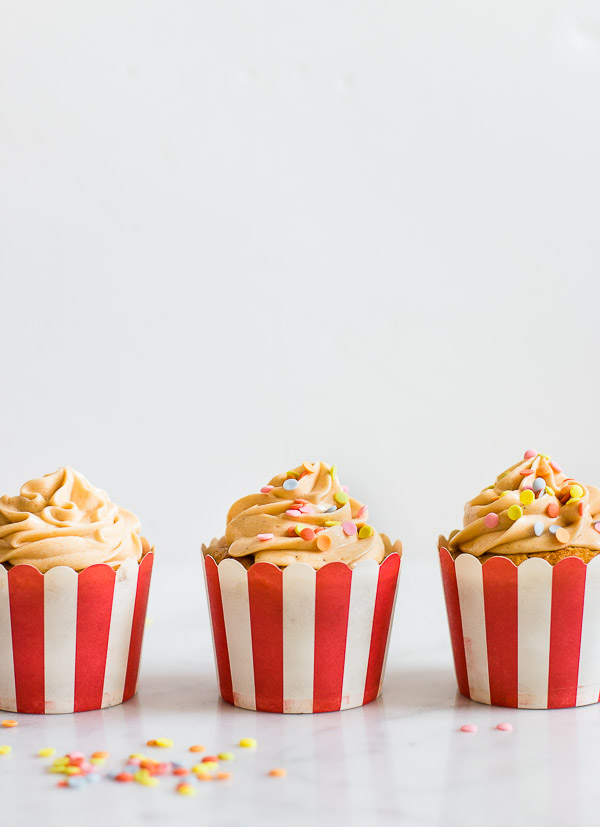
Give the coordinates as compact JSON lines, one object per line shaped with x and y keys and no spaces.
{"x":119,"y":635}
{"x":8,"y":693}
{"x":588,"y":689}
{"x":233,"y":579}
{"x":60,"y":631}
{"x":387,"y":644}
{"x":469,"y":578}
{"x":535,"y":605}
{"x":299,"y":590}
{"x":360,"y":626}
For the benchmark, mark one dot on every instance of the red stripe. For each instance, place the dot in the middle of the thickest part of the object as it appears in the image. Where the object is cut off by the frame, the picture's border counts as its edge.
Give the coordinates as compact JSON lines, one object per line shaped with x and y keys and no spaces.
{"x":500,"y":597}
{"x":138,"y":625}
{"x":332,"y":603}
{"x":26,"y":596}
{"x":265,"y":591}
{"x":454,"y":620}
{"x":382,"y":617}
{"x":94,"y":608}
{"x":218,"y":627}
{"x":568,"y":588}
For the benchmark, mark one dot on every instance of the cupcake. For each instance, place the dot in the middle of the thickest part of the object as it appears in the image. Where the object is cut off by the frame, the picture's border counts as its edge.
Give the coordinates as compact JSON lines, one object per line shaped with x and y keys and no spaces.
{"x":74,"y":580}
{"x":301,"y":593}
{"x":522,"y":587}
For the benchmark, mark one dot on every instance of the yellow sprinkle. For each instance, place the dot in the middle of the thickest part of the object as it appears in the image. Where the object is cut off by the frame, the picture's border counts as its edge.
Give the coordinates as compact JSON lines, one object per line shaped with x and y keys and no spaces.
{"x":161,"y":742}
{"x":341,"y":497}
{"x":333,"y":471}
{"x":98,"y":761}
{"x":5,"y":749}
{"x":60,"y":762}
{"x":545,"y":456}
{"x":46,"y":752}
{"x":515,"y":511}
{"x":9,"y":722}
{"x":138,"y":755}
{"x":366,"y":531}
{"x":56,"y":769}
{"x":330,"y":523}
{"x":149,"y":782}
{"x":527,"y":497}
{"x":504,"y":493}
{"x":226,"y":756}
{"x":576,"y":492}
{"x":248,"y":742}
{"x":205,"y":766}
{"x":549,"y":491}
{"x":72,"y":770}
{"x":186,"y":789}
{"x":300,"y":527}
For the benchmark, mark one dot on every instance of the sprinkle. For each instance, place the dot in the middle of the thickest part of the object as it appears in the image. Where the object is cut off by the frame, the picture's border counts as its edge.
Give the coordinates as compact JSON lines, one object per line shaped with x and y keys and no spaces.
{"x":515,"y":511}
{"x":204,"y":776}
{"x":46,"y":752}
{"x":553,"y":529}
{"x":249,"y":743}
{"x":331,"y":509}
{"x":311,"y":467}
{"x":293,"y":512}
{"x":266,"y":488}
{"x":180,"y":771}
{"x":553,"y":509}
{"x":306,"y":509}
{"x":556,"y":467}
{"x":291,"y":475}
{"x":300,"y":528}
{"x":349,"y":528}
{"x":226,"y":756}
{"x":4,"y":750}
{"x":546,"y":457}
{"x":526,"y":472}
{"x":597,"y":527}
{"x":9,"y":723}
{"x":538,"y":484}
{"x":504,"y":727}
{"x":290,"y":484}
{"x":75,"y":782}
{"x":341,"y":497}
{"x":223,"y":776}
{"x":491,"y":520}
{"x":468,"y":728}
{"x":205,"y":766}
{"x":100,"y":754}
{"x":527,"y":496}
{"x":361,"y":512}
{"x":529,"y":454}
{"x":324,"y":542}
{"x":60,"y":762}
{"x":264,"y":537}
{"x":562,"y":535}
{"x":346,"y":489}
{"x":538,"y":528}
{"x":278,"y":772}
{"x":330,"y":523}
{"x":307,"y":534}
{"x":549,"y":491}
{"x":186,"y":789}
{"x":505,"y":493}
{"x":580,"y":509}
{"x":160,"y":742}
{"x":75,"y":756}
{"x":576,"y":491}
{"x":365,"y":531}
{"x":292,"y":531}
{"x":333,"y":471}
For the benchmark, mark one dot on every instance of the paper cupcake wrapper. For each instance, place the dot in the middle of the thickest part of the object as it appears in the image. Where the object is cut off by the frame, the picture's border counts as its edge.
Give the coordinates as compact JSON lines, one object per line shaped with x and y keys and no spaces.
{"x":524,"y":636}
{"x":301,"y":640}
{"x":71,"y":641}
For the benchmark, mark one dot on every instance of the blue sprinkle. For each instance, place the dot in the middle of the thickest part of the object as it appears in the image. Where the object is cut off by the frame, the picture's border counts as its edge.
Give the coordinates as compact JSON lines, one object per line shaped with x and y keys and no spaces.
{"x":92,"y":777}
{"x":330,"y":510}
{"x":290,"y":484}
{"x":538,"y":484}
{"x":538,"y":527}
{"x":76,"y":781}
{"x":553,"y":529}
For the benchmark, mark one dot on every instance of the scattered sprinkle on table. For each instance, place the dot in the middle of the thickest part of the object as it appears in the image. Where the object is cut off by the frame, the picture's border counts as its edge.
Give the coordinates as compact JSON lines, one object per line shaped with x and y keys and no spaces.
{"x":186,"y":789}
{"x":160,"y":742}
{"x":468,"y":728}
{"x":197,"y":748}
{"x":8,"y":722}
{"x":278,"y":772}
{"x":248,"y":743}
{"x":504,"y":727}
{"x":4,"y":750}
{"x":226,"y":756}
{"x":46,"y":752}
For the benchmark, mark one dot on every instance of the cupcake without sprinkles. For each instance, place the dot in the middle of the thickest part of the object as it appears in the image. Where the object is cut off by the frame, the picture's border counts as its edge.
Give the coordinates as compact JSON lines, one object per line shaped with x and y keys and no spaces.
{"x":522,"y":587}
{"x":301,"y":593}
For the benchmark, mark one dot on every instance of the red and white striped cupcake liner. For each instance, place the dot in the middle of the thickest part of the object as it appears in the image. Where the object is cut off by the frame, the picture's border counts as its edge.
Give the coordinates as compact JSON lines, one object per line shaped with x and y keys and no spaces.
{"x":301,"y":640}
{"x":71,"y":641}
{"x":524,"y":636}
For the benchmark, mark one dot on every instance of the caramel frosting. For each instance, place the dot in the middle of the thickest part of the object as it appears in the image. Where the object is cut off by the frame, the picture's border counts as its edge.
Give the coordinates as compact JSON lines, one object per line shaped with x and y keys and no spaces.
{"x":532,"y":507}
{"x":304,"y":516}
{"x":62,"y":520}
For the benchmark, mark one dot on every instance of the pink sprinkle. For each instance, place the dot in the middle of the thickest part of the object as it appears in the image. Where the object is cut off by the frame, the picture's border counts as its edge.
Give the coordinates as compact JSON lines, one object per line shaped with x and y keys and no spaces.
{"x":525,"y":472}
{"x":468,"y":728}
{"x":349,"y":528}
{"x":134,"y":762}
{"x":306,"y":509}
{"x":264,"y":537}
{"x":266,"y":488}
{"x":293,"y":512}
{"x":346,"y":489}
{"x":491,"y":520}
{"x":85,"y":766}
{"x":580,"y":509}
{"x":505,"y":727}
{"x":597,"y":527}
{"x":362,"y":510}
{"x":75,"y":756}
{"x":556,"y":467}
{"x":529,"y":454}
{"x":301,"y":500}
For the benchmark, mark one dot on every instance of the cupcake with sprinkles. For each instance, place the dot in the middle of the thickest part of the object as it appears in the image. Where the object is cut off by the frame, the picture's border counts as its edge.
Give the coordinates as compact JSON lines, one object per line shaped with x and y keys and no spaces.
{"x":301,"y":553}
{"x":522,"y":586}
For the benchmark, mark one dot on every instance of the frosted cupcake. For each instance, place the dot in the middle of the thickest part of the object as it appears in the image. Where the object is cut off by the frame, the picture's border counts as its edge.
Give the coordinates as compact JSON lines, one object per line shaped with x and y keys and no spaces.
{"x":301,"y":592}
{"x":522,"y":586}
{"x":74,"y":586}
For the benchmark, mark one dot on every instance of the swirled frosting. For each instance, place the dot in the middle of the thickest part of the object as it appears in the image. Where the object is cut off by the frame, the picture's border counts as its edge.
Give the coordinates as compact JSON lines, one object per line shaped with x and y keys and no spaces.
{"x":305,"y":516}
{"x":62,"y":520}
{"x":533,"y":507}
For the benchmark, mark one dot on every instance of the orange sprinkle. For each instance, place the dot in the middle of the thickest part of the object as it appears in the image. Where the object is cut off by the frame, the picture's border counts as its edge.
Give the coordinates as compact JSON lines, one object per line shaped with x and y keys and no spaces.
{"x":562,"y":535}
{"x":310,"y":467}
{"x":197,"y":748}
{"x":323,"y":542}
{"x":100,"y":754}
{"x":204,"y":776}
{"x":278,"y":772}
{"x":151,"y":742}
{"x":180,"y":771}
{"x":223,"y":776}
{"x":9,"y":722}
{"x":307,"y":534}
{"x":552,"y":510}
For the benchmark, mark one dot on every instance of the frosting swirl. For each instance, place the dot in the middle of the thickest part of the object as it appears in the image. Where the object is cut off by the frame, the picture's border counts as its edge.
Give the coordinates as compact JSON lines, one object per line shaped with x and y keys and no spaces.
{"x":532,"y":507}
{"x":61,"y":520}
{"x":304,"y":516}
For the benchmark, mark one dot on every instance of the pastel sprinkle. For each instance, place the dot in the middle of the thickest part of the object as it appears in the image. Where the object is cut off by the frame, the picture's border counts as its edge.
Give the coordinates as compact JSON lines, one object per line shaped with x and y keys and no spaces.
{"x":205,"y":766}
{"x":504,"y":727}
{"x":515,"y":511}
{"x":468,"y":728}
{"x":323,"y":542}
{"x":160,"y":742}
{"x":556,"y":467}
{"x":552,"y":509}
{"x":341,"y":497}
{"x":223,"y":776}
{"x":186,"y":789}
{"x":278,"y":772}
{"x":526,"y":472}
{"x":562,"y":535}
{"x":4,"y":750}
{"x":527,"y":496}
{"x":300,"y":528}
{"x":538,"y":484}
{"x":333,"y":471}
{"x":124,"y":777}
{"x":311,"y":467}
{"x":361,"y":511}
{"x":597,"y":527}
{"x":365,"y":531}
{"x":553,"y":529}
{"x":330,"y":523}
{"x":549,"y":491}
{"x":331,"y":509}
{"x":307,"y":534}
{"x":576,"y":491}
{"x":226,"y":756}
{"x":100,"y":754}
{"x":46,"y":752}
{"x":529,"y":454}
{"x":349,"y":528}
{"x":306,"y":509}
{"x":346,"y":489}
{"x":266,"y":488}
{"x":290,"y":484}
{"x":180,"y":771}
{"x":538,"y":528}
{"x":248,"y":743}
{"x":491,"y":520}
{"x":264,"y":537}
{"x":8,"y":722}
{"x":291,"y":531}
{"x":293,"y":512}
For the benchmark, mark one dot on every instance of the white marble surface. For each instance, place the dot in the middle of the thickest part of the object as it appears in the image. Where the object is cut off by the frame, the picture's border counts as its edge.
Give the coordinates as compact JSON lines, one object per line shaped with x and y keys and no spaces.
{"x":400,"y":760}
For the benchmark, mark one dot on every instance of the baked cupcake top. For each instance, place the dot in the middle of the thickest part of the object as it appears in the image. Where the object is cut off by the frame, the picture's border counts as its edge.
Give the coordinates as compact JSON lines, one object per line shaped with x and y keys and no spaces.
{"x":532,"y":507}
{"x":305,"y":516}
{"x":62,"y":520}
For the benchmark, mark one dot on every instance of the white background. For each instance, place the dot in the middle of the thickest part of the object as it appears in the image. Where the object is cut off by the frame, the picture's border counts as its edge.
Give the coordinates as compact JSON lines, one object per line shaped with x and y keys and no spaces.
{"x":235,"y":236}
